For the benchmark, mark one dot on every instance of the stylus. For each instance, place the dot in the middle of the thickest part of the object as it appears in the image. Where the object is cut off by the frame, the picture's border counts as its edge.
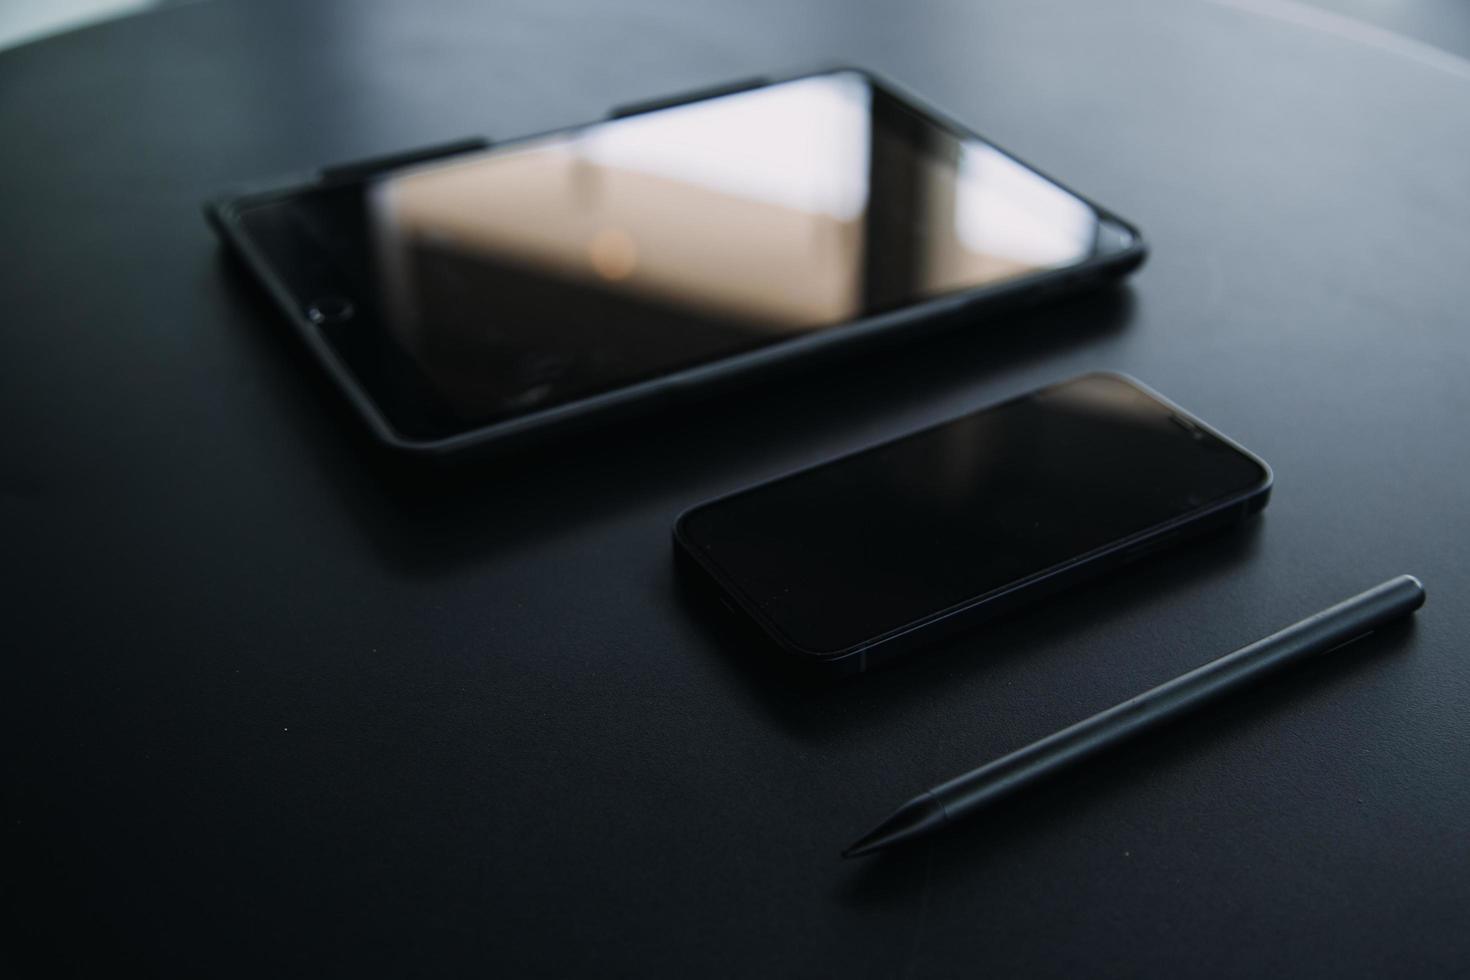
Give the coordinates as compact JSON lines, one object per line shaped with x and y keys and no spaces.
{"x":1327,"y":630}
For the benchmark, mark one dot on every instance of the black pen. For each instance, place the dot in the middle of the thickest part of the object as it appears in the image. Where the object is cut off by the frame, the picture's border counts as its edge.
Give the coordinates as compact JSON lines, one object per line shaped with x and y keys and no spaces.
{"x":1327,"y":630}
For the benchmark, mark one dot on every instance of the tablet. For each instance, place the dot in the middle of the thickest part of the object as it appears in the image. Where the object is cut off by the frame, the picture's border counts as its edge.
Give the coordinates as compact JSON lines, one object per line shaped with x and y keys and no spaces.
{"x":493,"y":294}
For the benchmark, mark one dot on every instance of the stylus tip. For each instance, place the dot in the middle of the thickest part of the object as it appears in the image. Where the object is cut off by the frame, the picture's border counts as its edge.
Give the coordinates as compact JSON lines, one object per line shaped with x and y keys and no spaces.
{"x":917,"y":816}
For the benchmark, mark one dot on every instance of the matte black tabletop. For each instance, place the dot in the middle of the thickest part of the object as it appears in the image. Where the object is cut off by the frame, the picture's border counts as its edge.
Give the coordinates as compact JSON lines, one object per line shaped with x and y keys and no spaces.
{"x":275,"y":706}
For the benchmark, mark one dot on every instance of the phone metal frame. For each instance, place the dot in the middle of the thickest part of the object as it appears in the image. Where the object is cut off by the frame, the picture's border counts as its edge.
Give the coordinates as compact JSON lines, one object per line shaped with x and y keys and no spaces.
{"x":223,"y":214}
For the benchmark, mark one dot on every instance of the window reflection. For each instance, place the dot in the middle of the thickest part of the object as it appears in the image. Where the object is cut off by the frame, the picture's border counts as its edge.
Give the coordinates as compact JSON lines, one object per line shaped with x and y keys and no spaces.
{"x":584,"y":261}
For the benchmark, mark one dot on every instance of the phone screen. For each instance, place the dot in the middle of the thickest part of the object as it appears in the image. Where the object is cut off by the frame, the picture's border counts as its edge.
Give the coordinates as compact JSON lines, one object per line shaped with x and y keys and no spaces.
{"x":843,"y":554}
{"x":498,"y":283}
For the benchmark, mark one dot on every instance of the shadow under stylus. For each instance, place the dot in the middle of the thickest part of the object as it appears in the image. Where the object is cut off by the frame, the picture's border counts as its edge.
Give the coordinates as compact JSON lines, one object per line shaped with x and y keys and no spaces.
{"x":1061,"y":804}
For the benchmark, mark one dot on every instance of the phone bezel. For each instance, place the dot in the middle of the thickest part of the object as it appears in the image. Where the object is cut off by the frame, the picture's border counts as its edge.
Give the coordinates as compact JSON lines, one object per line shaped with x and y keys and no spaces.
{"x":861,"y":655}
{"x":225,"y":215}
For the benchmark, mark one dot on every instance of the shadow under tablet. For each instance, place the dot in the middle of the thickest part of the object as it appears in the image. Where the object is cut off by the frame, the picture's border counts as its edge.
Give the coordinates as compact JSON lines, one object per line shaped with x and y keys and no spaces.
{"x":426,"y":520}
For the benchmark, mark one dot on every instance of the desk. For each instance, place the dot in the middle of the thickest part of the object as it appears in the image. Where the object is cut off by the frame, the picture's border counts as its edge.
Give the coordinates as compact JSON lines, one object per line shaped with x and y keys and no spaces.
{"x":274,"y":706}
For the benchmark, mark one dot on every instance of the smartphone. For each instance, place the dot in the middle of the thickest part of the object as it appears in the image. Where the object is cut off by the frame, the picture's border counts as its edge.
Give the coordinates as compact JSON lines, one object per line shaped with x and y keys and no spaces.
{"x":495,"y":293}
{"x":854,"y":560}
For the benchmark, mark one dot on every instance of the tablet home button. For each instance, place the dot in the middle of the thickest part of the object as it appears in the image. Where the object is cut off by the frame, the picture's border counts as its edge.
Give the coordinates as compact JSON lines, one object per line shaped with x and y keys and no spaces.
{"x":329,"y":308}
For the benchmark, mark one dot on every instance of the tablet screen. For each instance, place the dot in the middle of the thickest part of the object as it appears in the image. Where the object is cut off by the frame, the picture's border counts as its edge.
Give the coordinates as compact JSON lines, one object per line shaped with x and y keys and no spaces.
{"x":509,"y":281}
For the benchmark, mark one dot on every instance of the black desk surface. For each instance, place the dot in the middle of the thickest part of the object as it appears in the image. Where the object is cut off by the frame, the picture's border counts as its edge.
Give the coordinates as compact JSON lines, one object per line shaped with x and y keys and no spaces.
{"x":272,"y":706}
